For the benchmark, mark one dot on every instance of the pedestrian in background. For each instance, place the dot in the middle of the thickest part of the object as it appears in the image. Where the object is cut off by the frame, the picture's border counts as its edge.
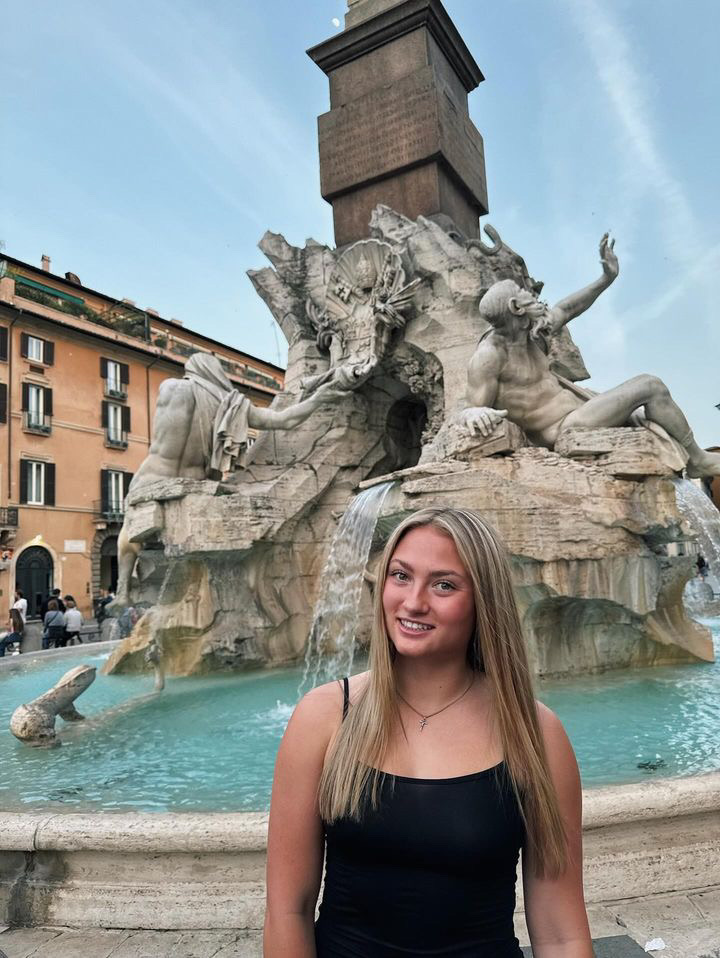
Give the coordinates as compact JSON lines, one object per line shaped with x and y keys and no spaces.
{"x":20,"y":604}
{"x":73,"y":621}
{"x":15,"y":629}
{"x":106,"y":597}
{"x":54,"y":623}
{"x":53,"y":594}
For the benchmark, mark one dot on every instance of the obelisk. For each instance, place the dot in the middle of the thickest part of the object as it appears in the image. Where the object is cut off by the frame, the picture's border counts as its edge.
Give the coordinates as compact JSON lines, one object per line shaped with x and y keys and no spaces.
{"x":398,"y":131}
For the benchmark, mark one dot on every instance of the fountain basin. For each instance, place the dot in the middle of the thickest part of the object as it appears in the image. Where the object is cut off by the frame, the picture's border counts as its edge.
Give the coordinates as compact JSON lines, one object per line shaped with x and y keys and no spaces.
{"x":189,"y":871}
{"x":208,"y":744}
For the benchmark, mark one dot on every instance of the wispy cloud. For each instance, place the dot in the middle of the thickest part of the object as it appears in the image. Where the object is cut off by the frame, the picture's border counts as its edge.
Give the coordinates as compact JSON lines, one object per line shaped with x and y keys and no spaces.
{"x":631,"y":108}
{"x":645,"y":170}
{"x":218,"y":118}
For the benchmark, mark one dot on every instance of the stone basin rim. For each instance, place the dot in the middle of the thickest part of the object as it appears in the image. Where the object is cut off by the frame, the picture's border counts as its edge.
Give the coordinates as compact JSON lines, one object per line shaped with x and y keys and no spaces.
{"x":193,"y":832}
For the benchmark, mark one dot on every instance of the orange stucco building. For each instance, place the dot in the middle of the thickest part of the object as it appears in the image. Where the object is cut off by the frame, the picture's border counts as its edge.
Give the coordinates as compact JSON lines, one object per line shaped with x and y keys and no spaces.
{"x":79,"y":376}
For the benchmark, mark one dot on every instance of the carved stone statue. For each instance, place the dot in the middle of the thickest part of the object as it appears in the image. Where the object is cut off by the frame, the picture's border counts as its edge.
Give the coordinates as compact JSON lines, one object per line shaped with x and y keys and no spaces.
{"x":366,"y":301}
{"x":200,"y":429}
{"x":34,"y":723}
{"x":510,"y":375}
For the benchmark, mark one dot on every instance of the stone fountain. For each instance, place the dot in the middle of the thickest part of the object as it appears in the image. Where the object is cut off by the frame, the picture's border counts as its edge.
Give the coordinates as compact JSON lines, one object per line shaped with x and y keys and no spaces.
{"x":388,"y":337}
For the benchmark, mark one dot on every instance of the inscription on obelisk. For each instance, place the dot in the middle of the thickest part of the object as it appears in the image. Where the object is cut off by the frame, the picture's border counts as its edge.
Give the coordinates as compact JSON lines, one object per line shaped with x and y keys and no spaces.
{"x":398,"y":131}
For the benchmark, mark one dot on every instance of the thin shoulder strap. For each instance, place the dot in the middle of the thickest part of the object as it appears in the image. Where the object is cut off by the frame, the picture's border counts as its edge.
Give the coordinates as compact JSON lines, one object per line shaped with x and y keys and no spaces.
{"x":346,"y":696}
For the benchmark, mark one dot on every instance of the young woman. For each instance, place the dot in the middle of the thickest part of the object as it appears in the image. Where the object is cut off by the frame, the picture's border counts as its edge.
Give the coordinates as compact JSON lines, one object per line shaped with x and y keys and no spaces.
{"x":73,"y":622}
{"x":15,"y":629}
{"x":53,"y":627}
{"x":426,"y":780}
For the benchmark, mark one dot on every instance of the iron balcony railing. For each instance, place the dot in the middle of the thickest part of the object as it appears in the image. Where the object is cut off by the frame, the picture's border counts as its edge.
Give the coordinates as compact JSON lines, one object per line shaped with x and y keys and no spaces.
{"x":109,"y":511}
{"x":37,"y":422}
{"x":115,"y":439}
{"x":115,"y":390}
{"x":8,"y":517}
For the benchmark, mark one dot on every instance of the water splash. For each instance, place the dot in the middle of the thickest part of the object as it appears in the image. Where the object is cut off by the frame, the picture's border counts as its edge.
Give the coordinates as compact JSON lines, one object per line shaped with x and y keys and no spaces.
{"x":331,"y":646}
{"x":703,"y":516}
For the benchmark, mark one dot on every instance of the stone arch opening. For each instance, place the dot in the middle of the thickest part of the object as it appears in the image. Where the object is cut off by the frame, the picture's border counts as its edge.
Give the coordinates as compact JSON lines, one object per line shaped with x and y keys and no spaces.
{"x":404,"y":427}
{"x":34,"y":574}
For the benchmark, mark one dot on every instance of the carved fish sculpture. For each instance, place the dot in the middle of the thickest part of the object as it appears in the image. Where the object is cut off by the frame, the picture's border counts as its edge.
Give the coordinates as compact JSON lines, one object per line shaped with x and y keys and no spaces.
{"x":34,"y":722}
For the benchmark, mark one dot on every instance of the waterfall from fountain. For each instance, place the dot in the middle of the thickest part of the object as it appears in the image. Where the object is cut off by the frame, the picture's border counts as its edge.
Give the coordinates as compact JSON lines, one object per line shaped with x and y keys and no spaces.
{"x":331,"y":645}
{"x":704,"y":518}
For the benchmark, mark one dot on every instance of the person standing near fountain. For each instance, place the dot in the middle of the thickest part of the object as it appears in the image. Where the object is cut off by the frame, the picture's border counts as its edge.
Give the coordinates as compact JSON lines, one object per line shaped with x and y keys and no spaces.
{"x":425,"y":776}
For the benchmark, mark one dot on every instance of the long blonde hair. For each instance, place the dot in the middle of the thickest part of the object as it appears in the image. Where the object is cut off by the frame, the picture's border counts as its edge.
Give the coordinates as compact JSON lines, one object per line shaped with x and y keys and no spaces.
{"x":352,"y":775}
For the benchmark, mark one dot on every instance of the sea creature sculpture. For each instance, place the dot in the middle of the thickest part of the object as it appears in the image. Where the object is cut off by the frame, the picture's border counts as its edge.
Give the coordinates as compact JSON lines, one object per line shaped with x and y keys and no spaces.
{"x":34,"y":723}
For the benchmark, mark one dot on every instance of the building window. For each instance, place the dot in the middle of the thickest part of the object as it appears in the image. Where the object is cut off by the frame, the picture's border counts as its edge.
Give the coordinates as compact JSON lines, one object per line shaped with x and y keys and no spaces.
{"x":37,"y":408}
{"x":113,"y":376}
{"x":116,"y":422}
{"x":116,"y":491}
{"x":36,"y":405}
{"x":37,"y":482}
{"x":37,"y":350}
{"x":116,"y":376}
{"x":114,"y":486}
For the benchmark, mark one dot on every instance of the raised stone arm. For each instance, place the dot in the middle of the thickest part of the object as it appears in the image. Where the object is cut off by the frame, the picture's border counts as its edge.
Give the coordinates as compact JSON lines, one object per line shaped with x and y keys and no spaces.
{"x":345,"y":379}
{"x":576,"y":303}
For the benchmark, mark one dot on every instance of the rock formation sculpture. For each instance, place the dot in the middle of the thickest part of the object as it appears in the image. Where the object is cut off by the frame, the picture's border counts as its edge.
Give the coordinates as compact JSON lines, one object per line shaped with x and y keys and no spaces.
{"x":34,"y":723}
{"x":238,"y":563}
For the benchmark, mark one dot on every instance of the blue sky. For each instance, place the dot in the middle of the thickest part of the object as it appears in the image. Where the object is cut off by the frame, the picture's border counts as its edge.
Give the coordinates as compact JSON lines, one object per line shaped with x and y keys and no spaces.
{"x":147,"y":147}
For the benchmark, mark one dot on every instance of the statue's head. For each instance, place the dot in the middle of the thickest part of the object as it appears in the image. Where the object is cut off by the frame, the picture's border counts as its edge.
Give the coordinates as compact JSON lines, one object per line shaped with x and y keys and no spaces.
{"x":506,"y":300}
{"x":208,"y":367}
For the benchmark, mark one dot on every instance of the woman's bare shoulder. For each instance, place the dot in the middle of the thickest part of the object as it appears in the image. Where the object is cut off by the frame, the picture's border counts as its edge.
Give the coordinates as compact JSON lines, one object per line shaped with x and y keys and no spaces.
{"x":325,"y":702}
{"x":560,"y":754}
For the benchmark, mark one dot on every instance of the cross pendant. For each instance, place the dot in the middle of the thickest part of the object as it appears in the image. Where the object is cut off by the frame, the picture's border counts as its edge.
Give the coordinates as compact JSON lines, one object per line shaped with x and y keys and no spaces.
{"x":423,"y":723}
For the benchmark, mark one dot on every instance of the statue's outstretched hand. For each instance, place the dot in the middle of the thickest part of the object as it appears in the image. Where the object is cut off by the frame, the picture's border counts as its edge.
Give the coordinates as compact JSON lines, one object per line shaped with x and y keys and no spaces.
{"x":482,"y":419}
{"x":609,"y":260}
{"x":345,"y":379}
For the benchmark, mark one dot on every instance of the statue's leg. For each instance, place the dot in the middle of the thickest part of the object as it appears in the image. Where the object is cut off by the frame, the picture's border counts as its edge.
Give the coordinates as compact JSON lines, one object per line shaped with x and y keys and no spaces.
{"x":127,"y":557}
{"x":614,"y":408}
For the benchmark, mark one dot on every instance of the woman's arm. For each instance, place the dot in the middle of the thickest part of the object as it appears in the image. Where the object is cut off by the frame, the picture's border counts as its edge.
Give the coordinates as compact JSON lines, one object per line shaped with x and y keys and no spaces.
{"x":555,"y":907}
{"x":295,"y":837}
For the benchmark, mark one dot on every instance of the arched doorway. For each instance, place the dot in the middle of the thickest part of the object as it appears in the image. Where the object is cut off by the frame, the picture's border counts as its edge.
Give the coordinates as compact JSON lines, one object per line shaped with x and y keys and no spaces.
{"x":34,"y":575}
{"x":109,"y":564}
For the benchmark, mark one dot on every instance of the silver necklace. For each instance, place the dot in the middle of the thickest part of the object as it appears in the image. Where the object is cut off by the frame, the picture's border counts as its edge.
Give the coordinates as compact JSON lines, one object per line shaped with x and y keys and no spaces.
{"x":424,"y":718}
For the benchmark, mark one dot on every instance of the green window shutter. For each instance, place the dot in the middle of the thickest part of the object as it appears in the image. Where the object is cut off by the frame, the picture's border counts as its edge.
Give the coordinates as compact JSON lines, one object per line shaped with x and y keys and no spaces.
{"x":3,"y":402}
{"x":104,"y":489}
{"x":23,"y":480}
{"x":24,"y":345}
{"x":49,"y":483}
{"x":3,"y":344}
{"x":48,"y":353}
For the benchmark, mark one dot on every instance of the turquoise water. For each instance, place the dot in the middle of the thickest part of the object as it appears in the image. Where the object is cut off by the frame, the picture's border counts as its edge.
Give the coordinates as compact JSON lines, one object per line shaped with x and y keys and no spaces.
{"x":209,"y":744}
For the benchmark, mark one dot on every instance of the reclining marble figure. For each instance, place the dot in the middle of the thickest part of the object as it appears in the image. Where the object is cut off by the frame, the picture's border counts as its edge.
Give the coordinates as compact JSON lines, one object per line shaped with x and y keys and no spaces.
{"x":201,"y":427}
{"x":510,"y":375}
{"x":34,"y":723}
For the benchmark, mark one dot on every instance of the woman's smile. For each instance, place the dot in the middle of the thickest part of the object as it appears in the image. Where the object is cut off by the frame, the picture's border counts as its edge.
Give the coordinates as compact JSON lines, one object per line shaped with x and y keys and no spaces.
{"x":412,"y":626}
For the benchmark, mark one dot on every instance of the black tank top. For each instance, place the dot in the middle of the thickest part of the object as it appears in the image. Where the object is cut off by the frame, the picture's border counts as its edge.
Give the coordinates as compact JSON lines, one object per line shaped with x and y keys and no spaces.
{"x":430,"y":872}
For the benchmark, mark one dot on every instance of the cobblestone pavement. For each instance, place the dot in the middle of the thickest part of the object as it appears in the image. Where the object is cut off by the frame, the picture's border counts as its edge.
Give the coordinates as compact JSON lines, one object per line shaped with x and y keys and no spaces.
{"x":688,"y":924}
